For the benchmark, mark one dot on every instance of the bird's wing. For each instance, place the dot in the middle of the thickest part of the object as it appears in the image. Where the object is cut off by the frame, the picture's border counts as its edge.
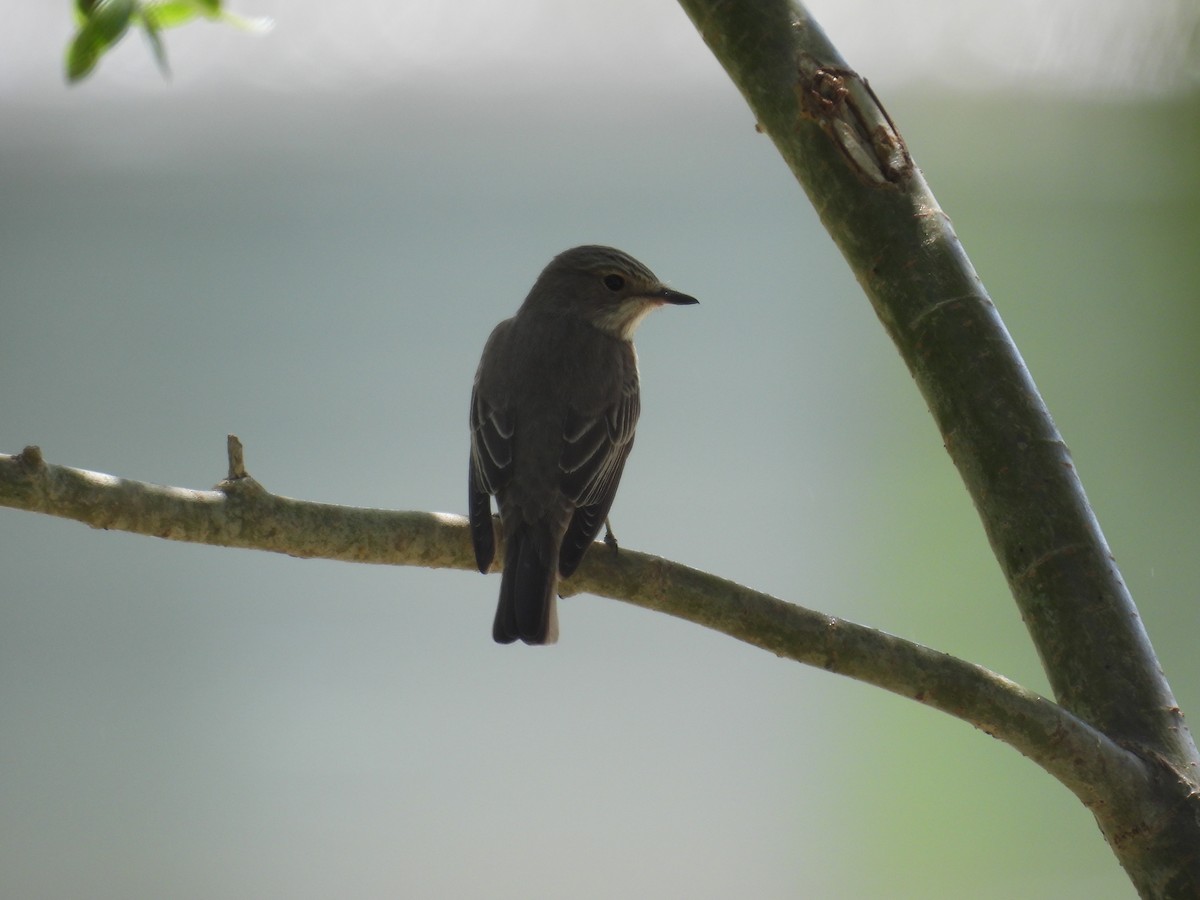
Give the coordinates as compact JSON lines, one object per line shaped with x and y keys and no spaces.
{"x":491,"y":468}
{"x":594,"y":452}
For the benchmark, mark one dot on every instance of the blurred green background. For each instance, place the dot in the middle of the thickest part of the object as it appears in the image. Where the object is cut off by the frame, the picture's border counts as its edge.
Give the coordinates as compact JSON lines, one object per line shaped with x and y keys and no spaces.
{"x":305,"y":238}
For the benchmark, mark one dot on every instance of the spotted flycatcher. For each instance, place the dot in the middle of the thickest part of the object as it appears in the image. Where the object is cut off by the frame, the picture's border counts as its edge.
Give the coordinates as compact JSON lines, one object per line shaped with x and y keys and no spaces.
{"x":553,"y":412}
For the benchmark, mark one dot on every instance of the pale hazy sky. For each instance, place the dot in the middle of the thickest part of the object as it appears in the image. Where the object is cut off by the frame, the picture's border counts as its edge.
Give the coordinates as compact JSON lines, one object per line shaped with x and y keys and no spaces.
{"x":1101,"y":47}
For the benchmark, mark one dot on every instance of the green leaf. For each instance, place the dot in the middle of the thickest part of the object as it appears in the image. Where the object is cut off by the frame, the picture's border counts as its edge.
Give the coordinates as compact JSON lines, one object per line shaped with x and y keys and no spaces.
{"x":106,"y":22}
{"x":154,"y":36}
{"x":170,"y":13}
{"x":83,"y":9}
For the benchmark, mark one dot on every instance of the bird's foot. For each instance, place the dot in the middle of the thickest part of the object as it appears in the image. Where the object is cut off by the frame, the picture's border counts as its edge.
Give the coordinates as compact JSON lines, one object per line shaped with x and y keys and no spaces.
{"x":610,"y":539}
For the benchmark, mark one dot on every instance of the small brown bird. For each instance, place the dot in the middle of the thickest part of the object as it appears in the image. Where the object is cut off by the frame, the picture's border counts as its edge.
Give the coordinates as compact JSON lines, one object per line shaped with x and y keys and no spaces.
{"x":553,"y":412}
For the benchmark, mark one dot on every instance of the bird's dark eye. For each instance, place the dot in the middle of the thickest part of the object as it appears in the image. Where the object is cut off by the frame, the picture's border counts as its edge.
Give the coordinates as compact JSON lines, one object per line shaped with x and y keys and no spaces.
{"x":614,"y":282}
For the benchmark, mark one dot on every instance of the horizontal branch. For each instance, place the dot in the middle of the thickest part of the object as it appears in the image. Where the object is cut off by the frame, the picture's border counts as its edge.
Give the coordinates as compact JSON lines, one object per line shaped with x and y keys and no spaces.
{"x":241,"y":513}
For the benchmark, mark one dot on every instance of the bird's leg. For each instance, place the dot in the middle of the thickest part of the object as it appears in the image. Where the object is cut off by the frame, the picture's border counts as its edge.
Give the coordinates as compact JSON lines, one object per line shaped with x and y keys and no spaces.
{"x":610,"y":539}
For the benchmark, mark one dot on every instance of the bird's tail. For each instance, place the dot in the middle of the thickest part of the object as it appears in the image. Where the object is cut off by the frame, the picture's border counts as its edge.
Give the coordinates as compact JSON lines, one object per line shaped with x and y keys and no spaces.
{"x":528,"y":607}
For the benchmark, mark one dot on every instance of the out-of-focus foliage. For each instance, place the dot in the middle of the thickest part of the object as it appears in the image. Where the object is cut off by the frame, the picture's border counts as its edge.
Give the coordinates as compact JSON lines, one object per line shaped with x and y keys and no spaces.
{"x":102,"y":23}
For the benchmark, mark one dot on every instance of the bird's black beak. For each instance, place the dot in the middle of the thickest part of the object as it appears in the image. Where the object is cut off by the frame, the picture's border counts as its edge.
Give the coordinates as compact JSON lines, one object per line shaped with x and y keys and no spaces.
{"x":666,"y":295}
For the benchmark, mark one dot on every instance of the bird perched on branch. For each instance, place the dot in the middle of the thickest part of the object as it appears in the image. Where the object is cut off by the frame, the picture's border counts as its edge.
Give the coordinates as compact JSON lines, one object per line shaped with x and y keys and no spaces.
{"x":553,"y":412}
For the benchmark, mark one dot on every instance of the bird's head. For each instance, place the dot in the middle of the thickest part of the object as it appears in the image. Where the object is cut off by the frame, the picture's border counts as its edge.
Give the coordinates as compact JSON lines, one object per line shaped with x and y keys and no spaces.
{"x":608,"y":288}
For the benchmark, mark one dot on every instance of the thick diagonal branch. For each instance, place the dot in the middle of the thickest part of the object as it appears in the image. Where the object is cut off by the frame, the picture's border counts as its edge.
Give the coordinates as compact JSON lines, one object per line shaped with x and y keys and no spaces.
{"x":847,"y":154}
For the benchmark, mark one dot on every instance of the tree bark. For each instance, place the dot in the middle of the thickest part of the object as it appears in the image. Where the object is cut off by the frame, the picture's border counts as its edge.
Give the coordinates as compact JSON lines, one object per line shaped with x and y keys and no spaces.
{"x":849,"y":157}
